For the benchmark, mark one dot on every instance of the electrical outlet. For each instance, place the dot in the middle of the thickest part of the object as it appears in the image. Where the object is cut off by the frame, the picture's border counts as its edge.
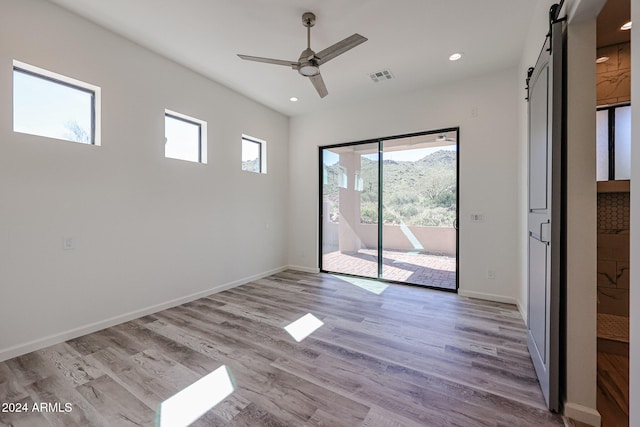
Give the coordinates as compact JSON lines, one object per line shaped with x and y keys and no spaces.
{"x":491,"y":274}
{"x":67,"y":243}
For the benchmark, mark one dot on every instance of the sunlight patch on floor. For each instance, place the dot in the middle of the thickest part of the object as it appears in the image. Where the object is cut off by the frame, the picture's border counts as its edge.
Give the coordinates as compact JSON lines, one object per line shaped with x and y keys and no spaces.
{"x":190,"y":403}
{"x":372,"y":286}
{"x":303,"y":327}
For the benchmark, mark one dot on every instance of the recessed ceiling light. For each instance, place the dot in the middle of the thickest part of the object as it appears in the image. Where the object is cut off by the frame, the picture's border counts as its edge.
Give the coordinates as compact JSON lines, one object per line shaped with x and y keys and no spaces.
{"x":293,"y":99}
{"x":455,"y":56}
{"x":626,"y":26}
{"x":602,"y":59}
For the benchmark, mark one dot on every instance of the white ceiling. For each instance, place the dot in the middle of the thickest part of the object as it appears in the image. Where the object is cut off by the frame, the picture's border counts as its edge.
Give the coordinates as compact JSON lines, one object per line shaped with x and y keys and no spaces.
{"x":412,"y":38}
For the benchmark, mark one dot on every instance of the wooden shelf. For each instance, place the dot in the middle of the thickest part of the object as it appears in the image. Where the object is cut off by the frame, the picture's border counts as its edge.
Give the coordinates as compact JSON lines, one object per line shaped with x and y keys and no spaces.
{"x":621,"y":186}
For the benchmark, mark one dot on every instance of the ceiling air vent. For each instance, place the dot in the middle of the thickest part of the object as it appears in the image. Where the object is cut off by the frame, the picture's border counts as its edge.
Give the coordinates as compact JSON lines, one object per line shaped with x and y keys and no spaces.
{"x":381,"y":76}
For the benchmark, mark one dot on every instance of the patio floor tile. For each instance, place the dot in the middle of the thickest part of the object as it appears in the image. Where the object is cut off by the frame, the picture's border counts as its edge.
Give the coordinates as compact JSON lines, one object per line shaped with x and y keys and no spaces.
{"x":411,"y":267}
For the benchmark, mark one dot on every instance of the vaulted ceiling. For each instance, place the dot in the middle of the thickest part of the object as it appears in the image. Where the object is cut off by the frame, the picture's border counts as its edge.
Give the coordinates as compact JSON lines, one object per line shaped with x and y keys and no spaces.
{"x":411,"y":38}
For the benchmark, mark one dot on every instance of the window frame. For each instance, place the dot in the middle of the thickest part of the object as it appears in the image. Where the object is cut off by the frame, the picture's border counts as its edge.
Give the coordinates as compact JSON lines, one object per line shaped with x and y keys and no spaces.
{"x":202,"y":134}
{"x":262,"y":153}
{"x":69,"y":82}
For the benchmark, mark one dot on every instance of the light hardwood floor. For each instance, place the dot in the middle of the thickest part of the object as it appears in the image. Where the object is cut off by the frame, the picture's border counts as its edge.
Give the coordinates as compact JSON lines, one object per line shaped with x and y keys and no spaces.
{"x":406,"y":357}
{"x":613,"y":388}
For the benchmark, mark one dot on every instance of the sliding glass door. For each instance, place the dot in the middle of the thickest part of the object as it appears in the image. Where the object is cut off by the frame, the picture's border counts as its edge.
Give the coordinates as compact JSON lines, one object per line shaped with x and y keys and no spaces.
{"x":389,"y":209}
{"x":350,"y":182}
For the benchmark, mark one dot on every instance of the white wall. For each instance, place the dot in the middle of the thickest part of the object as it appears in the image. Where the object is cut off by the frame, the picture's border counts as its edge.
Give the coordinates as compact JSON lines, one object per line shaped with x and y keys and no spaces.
{"x":148,"y":231}
{"x":581,"y":299}
{"x":488,"y":165}
{"x":634,"y":288}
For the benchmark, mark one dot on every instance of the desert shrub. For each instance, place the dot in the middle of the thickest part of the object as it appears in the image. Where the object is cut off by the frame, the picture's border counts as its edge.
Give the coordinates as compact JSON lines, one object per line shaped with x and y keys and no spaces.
{"x":368,"y":215}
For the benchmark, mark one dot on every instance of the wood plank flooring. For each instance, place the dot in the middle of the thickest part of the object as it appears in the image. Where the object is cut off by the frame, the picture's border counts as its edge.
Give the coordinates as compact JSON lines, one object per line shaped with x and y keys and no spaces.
{"x":406,"y":357}
{"x":613,"y":389}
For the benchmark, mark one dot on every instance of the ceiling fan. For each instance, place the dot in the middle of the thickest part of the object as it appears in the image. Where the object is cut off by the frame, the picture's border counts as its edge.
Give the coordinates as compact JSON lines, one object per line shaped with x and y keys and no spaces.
{"x":309,"y":62}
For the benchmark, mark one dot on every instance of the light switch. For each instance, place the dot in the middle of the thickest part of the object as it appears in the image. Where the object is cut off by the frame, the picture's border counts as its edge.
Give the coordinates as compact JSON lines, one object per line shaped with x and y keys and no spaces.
{"x":477,"y":217}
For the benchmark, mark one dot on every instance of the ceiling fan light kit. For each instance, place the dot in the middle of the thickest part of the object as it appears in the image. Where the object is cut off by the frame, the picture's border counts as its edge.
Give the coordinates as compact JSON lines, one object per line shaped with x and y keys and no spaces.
{"x":308,"y":65}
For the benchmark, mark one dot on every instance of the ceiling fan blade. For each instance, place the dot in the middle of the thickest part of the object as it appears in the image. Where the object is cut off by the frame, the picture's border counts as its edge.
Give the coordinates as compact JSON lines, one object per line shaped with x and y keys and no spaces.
{"x":339,"y":48}
{"x":318,"y":83}
{"x":291,"y":64}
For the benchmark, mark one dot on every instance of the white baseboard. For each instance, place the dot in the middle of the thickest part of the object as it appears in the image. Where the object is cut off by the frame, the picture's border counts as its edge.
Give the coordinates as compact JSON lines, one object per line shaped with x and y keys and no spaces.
{"x":28,"y":347}
{"x":304,"y":269}
{"x":523,"y":312}
{"x":488,"y":297}
{"x":582,"y":413}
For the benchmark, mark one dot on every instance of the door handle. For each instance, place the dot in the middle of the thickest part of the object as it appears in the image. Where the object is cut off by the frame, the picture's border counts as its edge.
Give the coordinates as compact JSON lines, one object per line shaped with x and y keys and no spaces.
{"x":455,"y":223}
{"x":545,"y":226}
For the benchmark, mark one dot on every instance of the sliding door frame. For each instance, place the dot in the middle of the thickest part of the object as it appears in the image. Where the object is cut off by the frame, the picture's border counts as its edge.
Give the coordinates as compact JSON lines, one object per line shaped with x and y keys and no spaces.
{"x":380,"y":142}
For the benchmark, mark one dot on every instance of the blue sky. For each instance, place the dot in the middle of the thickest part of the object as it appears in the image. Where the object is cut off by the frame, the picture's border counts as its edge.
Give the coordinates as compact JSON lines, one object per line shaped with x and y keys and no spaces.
{"x":43,"y":108}
{"x":182,"y":139}
{"x":330,"y":158}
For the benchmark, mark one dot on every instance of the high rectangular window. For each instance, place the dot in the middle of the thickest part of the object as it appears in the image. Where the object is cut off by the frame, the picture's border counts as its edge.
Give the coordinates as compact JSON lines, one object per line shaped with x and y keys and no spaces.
{"x":254,"y":155}
{"x":622,"y":142}
{"x":613,"y":142}
{"x":602,"y":145}
{"x":54,"y":106}
{"x":185,"y":137}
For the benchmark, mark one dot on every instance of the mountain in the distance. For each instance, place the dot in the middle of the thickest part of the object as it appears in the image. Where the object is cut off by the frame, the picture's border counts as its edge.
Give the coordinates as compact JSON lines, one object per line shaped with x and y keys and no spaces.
{"x":421,"y":192}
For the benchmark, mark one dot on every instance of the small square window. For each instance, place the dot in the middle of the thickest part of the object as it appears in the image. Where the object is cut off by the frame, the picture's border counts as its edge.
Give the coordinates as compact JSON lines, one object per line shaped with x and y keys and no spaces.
{"x":54,"y":106}
{"x":254,"y":156}
{"x":185,"y":137}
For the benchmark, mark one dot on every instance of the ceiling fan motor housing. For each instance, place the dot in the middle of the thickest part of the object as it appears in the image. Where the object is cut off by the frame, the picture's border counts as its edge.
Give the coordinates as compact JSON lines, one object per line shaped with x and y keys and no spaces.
{"x":308,"y":65}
